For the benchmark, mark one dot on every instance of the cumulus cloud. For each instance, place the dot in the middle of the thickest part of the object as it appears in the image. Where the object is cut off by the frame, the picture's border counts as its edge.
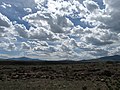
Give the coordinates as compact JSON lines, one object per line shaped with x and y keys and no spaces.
{"x":25,"y":46}
{"x":29,"y":10}
{"x":4,"y":21}
{"x":47,"y":28}
{"x":91,"y":5}
{"x":49,"y":21}
{"x":21,"y":29}
{"x":113,"y":10}
{"x":107,"y":18}
{"x":41,"y":34}
{"x":11,"y":46}
{"x":7,"y":32}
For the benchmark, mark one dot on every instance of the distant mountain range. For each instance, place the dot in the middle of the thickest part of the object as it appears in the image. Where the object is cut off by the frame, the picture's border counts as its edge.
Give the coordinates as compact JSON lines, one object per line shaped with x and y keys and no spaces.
{"x":110,"y":58}
{"x":30,"y":61}
{"x":106,"y":58}
{"x":23,"y":59}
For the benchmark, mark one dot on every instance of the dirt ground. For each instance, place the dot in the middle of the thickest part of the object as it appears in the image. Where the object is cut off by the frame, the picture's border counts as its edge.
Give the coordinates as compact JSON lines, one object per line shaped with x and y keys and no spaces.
{"x":81,"y":76}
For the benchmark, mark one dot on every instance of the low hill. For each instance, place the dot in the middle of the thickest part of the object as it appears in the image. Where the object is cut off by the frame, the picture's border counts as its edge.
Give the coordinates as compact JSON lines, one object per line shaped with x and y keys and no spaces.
{"x":111,"y":58}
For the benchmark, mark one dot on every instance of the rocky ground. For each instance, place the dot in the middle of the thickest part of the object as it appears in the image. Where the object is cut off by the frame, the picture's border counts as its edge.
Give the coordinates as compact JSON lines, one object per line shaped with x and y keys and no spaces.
{"x":81,"y":76}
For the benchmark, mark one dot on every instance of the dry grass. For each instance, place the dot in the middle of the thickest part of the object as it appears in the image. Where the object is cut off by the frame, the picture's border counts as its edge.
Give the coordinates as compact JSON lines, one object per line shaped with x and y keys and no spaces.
{"x":82,"y":76}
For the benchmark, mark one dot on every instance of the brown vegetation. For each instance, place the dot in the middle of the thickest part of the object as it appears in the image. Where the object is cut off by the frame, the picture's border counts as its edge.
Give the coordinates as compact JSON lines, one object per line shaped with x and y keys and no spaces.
{"x":81,"y":76}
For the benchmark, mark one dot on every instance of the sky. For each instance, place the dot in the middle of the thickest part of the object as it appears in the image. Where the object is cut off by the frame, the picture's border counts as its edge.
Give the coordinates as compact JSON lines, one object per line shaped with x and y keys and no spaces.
{"x":59,"y":29}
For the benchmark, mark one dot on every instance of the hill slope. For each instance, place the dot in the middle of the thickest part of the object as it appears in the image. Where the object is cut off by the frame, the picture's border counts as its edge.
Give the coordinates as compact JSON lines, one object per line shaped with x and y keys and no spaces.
{"x":111,"y":58}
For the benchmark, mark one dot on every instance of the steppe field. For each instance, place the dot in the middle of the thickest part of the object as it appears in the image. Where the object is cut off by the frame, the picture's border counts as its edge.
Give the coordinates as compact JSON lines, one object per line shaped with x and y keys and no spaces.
{"x":35,"y":75}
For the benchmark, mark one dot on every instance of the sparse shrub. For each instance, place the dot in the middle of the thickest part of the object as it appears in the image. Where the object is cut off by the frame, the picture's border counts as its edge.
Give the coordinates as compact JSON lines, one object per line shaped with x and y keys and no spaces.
{"x":110,"y":62}
{"x":107,"y":73}
{"x":84,"y":88}
{"x":98,"y":89}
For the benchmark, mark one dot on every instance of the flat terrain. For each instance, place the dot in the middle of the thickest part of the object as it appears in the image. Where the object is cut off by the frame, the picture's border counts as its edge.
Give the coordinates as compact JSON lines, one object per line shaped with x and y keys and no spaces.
{"x":59,"y":76}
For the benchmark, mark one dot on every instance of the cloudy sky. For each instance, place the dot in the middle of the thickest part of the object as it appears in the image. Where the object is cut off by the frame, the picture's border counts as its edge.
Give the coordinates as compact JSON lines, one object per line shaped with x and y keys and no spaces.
{"x":59,"y":29}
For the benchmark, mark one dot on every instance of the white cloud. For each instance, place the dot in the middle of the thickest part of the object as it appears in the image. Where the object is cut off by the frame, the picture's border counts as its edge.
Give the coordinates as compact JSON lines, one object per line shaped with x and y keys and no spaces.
{"x":22,"y":31}
{"x":25,"y":46}
{"x":56,"y":24}
{"x":107,"y":18}
{"x":11,"y":46}
{"x":42,"y":34}
{"x":4,"y":21}
{"x":91,"y":5}
{"x":46,"y":28}
{"x":29,"y":10}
